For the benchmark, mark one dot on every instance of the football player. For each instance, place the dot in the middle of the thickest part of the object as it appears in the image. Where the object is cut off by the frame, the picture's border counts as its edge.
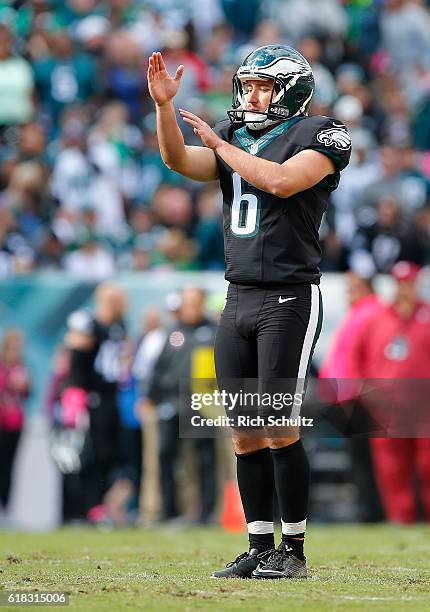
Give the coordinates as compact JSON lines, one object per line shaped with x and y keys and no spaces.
{"x":276,"y":166}
{"x":96,"y":343}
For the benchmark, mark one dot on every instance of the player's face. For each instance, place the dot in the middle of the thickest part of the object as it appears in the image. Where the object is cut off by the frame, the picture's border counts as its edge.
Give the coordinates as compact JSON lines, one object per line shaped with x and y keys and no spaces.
{"x":258,"y":94}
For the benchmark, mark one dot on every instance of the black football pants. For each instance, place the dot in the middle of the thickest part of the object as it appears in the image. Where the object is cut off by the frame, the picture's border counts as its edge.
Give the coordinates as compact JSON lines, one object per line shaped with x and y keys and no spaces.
{"x":267,"y":334}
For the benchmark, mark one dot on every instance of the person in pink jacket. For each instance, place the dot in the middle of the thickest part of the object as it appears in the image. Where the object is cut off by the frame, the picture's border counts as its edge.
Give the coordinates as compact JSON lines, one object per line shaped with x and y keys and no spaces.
{"x":14,"y":390}
{"x":393,"y":355}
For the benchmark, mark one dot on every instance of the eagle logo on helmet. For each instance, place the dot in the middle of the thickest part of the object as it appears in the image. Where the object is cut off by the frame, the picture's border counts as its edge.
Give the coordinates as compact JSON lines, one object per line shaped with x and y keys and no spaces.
{"x":292,"y":89}
{"x":335,"y":136}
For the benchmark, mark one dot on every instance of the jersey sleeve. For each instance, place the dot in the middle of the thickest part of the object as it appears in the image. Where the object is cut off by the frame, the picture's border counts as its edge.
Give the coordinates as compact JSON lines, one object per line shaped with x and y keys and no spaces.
{"x":331,"y":138}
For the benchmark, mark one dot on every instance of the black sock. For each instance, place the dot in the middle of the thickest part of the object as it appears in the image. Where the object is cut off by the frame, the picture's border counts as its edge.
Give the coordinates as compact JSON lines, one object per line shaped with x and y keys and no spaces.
{"x":296,"y":544}
{"x":292,"y":476}
{"x":256,"y":486}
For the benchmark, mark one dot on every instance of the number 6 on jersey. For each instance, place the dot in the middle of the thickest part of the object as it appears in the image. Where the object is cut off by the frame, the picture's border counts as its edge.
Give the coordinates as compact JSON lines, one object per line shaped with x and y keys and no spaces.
{"x":245,"y":210}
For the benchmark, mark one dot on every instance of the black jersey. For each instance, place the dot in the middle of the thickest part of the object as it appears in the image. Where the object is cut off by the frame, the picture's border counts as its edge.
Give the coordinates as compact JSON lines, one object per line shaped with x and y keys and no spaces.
{"x":99,"y":368}
{"x":269,"y":240}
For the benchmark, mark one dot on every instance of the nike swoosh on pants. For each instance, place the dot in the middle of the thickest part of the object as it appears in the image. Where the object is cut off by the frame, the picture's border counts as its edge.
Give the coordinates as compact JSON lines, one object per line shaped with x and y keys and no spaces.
{"x":281,"y":301}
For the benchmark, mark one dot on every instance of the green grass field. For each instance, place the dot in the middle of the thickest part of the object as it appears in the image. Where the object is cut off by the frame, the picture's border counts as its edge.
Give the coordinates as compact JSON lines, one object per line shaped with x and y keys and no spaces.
{"x":351,"y":568}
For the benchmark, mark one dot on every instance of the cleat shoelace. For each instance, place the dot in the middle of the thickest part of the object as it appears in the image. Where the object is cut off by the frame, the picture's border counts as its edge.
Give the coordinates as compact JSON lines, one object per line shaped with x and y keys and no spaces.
{"x":266,"y":554}
{"x":239,"y":558}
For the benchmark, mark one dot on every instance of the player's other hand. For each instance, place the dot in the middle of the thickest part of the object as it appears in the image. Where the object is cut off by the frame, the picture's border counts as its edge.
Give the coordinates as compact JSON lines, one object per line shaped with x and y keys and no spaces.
{"x":161,"y":85}
{"x":202,"y":129}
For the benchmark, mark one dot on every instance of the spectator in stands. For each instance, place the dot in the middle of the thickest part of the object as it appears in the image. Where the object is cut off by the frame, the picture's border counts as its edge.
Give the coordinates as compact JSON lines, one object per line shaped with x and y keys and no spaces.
{"x":16,"y":256}
{"x":388,"y":183}
{"x":196,"y":75}
{"x":91,"y":261}
{"x":72,"y":172}
{"x":114,"y":146}
{"x":16,"y":85}
{"x":14,"y":390}
{"x":396,"y":120}
{"x":66,"y":75}
{"x":27,"y":198}
{"x":32,"y":143}
{"x":92,"y":32}
{"x":390,"y":239}
{"x":174,"y":251}
{"x":125,"y":72}
{"x":143,"y":238}
{"x":207,"y":233}
{"x":173,"y":207}
{"x":50,"y":255}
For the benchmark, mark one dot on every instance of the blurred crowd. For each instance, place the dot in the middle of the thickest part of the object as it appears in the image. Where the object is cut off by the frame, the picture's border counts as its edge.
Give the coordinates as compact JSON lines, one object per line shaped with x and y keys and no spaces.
{"x":82,"y":184}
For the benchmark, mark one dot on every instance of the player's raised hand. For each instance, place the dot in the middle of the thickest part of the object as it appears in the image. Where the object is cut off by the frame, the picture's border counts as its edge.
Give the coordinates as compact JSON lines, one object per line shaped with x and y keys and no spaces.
{"x":162,"y":86}
{"x":202,"y":129}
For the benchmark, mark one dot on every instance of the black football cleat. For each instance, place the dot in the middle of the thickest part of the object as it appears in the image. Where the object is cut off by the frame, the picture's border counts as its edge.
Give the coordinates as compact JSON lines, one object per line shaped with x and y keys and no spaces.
{"x":244,"y":565}
{"x":282,"y":563}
